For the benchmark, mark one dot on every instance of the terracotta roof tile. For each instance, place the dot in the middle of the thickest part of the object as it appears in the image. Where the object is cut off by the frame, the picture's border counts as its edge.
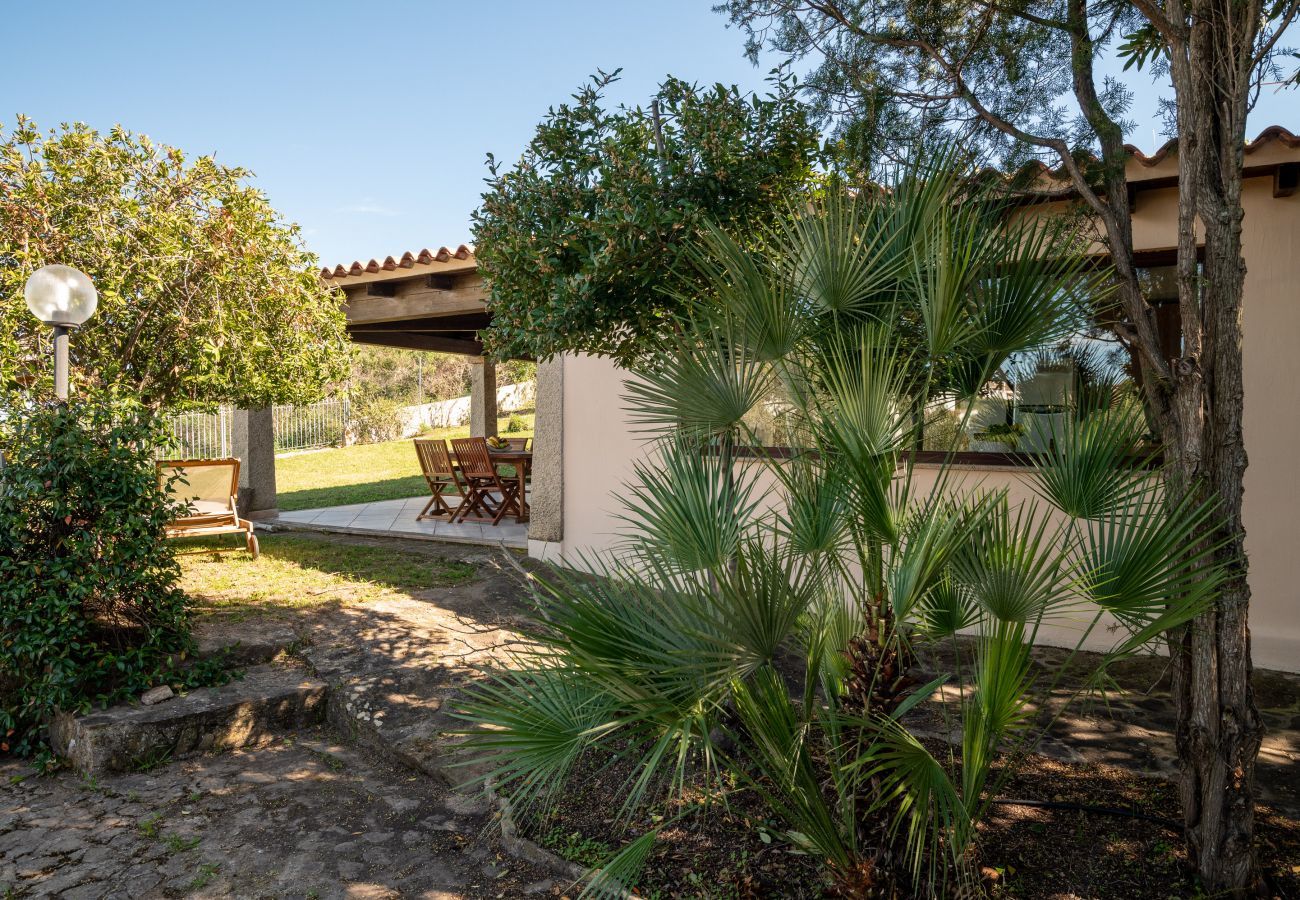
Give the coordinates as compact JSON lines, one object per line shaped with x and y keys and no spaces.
{"x":1038,"y":169}
{"x":406,"y":261}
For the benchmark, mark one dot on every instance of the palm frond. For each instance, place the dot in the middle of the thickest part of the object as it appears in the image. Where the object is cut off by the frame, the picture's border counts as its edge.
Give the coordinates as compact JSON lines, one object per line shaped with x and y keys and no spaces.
{"x":1037,"y":292}
{"x":616,"y":876}
{"x":1142,"y":564}
{"x":937,"y":530}
{"x":1094,"y":465}
{"x":811,"y":520}
{"x":946,"y":609}
{"x":687,"y":507}
{"x":745,"y":297}
{"x":1009,"y":567}
{"x":841,"y":262}
{"x":702,"y":387}
{"x":946,"y":261}
{"x":779,"y":764}
{"x":651,"y":643}
{"x":860,"y":424}
{"x":762,"y":598}
{"x":996,"y":706}
{"x":830,"y":625}
{"x":926,"y":809}
{"x":531,"y":725}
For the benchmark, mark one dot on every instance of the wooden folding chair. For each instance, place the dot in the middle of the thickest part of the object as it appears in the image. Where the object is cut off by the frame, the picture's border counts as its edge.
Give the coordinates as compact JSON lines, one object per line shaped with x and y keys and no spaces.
{"x":210,"y":490}
{"x":481,"y":480}
{"x":439,"y":473}
{"x":517,"y":443}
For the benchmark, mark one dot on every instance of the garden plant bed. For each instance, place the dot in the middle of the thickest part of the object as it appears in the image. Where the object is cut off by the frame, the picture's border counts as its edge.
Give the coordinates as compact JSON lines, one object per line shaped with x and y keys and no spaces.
{"x":737,"y":851}
{"x":721,"y":847}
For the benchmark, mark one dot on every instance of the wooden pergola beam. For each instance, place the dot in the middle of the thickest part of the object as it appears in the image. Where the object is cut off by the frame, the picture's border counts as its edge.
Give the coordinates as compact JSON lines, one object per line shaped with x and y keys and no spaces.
{"x":476,"y":321}
{"x":438,"y":343}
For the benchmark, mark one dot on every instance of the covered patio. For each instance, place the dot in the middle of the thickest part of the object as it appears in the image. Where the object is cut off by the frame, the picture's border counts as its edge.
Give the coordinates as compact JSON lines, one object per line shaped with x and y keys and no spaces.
{"x":432,"y":301}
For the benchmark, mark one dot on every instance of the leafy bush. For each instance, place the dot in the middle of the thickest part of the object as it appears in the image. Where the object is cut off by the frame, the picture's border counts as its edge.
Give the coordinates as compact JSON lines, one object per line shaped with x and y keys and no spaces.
{"x":90,"y":610}
{"x":516,"y":424}
{"x":376,"y":419}
{"x":579,"y":239}
{"x":206,"y":294}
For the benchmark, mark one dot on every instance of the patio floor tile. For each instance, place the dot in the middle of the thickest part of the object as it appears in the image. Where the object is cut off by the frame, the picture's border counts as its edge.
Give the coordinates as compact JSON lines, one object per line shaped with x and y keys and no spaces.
{"x":398,"y":519}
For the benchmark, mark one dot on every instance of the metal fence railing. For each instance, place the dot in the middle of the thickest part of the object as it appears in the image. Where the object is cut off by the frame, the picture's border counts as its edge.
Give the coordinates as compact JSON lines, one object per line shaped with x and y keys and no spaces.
{"x":208,"y":435}
{"x":322,"y":424}
{"x":202,"y":435}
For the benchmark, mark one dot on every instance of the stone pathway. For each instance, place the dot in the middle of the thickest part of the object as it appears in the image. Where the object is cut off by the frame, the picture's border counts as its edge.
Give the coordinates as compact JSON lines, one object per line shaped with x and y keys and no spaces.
{"x":304,"y":817}
{"x":362,"y":807}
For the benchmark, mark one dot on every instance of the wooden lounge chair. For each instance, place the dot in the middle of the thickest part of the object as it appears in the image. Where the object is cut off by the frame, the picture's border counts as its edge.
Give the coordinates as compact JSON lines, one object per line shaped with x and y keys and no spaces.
{"x":210,"y":488}
{"x":482,"y":481}
{"x":439,"y":473}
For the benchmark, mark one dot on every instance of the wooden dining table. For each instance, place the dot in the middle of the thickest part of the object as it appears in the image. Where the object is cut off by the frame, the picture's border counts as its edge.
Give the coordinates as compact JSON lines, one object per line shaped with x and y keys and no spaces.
{"x":522,"y":461}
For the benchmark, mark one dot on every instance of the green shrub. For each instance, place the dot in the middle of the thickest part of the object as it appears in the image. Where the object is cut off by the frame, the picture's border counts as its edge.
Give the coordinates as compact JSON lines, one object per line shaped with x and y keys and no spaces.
{"x":376,"y":419}
{"x":90,"y":611}
{"x":516,"y":424}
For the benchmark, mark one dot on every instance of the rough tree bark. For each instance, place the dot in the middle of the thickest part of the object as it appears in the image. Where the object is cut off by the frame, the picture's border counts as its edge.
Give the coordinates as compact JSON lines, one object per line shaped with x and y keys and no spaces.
{"x":1197,"y":399}
{"x":1219,"y":730}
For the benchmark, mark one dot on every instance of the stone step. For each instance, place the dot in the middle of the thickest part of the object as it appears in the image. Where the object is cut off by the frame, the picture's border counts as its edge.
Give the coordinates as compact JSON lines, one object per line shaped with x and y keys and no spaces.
{"x":267,"y":701}
{"x":241,"y":644}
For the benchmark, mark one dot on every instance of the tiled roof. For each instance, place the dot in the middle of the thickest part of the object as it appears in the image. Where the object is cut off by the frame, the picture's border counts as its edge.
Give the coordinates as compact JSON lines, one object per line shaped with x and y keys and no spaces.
{"x":406,"y":261}
{"x":1270,"y":135}
{"x":1267,"y":136}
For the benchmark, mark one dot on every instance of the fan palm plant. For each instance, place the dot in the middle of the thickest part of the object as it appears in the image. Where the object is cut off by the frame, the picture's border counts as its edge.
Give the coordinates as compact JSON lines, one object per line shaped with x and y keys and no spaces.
{"x":773,"y":632}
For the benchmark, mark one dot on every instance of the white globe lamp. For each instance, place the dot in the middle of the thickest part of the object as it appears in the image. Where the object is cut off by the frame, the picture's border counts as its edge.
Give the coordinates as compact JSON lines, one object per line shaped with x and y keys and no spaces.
{"x":63,"y":298}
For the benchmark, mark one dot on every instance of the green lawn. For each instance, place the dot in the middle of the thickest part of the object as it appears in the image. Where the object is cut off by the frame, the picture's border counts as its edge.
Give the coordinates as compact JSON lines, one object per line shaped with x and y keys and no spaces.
{"x":363,"y":473}
{"x":303,"y":570}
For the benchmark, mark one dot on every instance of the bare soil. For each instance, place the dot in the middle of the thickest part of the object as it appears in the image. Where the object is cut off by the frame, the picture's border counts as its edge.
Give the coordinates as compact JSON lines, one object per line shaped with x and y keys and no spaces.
{"x":734,"y":850}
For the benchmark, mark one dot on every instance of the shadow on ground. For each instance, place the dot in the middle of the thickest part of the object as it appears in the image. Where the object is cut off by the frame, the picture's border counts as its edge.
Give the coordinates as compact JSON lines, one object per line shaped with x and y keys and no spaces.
{"x":341,"y":495}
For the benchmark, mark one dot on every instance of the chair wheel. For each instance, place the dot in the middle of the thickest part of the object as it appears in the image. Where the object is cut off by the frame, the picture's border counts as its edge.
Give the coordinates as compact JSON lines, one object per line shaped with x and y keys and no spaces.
{"x":253,"y":546}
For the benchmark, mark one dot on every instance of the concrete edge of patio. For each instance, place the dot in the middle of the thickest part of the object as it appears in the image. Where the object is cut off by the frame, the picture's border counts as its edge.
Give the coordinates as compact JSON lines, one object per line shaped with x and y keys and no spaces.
{"x":397,"y":519}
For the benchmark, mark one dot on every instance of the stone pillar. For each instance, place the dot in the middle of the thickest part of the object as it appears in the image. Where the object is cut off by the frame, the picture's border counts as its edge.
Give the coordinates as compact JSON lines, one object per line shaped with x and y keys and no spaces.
{"x":252,"y":436}
{"x":547,"y":513}
{"x":483,"y":398}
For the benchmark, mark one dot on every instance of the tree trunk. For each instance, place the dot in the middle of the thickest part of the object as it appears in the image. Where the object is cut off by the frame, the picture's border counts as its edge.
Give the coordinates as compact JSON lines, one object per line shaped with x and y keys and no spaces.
{"x":1219,"y":730}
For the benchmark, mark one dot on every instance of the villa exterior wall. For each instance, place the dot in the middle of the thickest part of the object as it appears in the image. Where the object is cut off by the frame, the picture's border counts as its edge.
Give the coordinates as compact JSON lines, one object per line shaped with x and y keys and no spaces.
{"x":600,"y":446}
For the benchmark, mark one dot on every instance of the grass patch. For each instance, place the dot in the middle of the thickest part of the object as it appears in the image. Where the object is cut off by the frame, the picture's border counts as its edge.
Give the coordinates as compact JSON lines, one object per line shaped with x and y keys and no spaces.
{"x":364,"y":473}
{"x":304,"y":570}
{"x":149,"y":827}
{"x":176,"y":843}
{"x":151,"y":761}
{"x":571,"y":845}
{"x":207,"y":872}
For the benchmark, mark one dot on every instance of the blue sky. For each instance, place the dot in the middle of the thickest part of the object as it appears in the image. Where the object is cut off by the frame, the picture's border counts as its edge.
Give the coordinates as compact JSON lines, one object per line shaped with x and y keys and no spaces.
{"x":368,"y":123}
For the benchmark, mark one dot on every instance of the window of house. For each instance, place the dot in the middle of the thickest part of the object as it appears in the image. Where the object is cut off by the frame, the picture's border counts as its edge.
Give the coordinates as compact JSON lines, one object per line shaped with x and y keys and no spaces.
{"x":1029,"y":400}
